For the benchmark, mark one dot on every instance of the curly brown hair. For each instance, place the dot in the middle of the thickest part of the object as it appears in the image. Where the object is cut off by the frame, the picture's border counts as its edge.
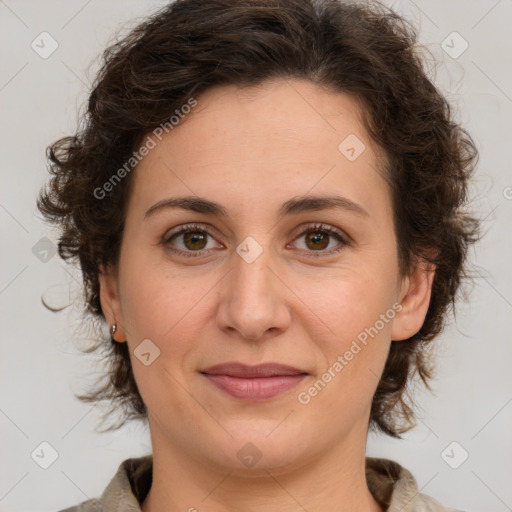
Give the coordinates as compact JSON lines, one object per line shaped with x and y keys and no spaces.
{"x":369,"y":52}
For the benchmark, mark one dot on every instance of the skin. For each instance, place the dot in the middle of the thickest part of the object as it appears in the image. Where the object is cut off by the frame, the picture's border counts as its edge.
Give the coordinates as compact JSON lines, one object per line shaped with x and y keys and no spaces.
{"x":251,"y":150}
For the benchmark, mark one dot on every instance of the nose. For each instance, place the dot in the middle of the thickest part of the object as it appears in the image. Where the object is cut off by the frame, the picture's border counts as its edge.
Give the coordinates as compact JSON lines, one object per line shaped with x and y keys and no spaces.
{"x":253,"y":300}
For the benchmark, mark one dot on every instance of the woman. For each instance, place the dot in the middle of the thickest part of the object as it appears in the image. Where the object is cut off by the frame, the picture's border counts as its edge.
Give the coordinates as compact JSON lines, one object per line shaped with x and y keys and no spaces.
{"x":265,"y":200}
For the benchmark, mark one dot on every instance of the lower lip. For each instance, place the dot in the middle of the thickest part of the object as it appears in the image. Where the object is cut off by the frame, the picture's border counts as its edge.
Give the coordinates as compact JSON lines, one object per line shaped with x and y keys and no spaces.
{"x":255,"y":389}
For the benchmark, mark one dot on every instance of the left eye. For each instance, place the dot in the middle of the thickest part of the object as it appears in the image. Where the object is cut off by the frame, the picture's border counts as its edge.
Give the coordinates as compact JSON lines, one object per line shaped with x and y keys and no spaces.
{"x":194,"y":239}
{"x":318,"y":238}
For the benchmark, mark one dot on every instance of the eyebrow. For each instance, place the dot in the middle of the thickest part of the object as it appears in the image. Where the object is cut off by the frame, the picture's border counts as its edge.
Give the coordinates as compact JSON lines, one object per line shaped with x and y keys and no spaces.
{"x":292,"y":206}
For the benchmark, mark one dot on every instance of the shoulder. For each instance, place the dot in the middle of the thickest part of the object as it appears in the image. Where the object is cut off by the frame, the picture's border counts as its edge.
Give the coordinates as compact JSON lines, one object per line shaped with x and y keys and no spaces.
{"x":93,"y":505}
{"x":126,"y":490}
{"x":395,"y":487}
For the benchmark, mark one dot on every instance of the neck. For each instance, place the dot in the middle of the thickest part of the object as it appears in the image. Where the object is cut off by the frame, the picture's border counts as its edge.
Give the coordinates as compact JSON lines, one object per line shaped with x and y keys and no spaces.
{"x":335,"y":481}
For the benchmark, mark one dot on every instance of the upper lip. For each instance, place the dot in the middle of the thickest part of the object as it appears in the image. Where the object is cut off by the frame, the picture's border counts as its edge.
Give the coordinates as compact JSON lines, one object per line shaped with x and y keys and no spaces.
{"x":245,"y":371}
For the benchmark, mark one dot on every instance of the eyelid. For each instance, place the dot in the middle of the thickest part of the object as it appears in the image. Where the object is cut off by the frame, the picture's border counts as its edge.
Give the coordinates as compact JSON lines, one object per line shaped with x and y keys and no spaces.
{"x":192,"y":226}
{"x":320,"y":226}
{"x":184,"y":228}
{"x":313,"y":227}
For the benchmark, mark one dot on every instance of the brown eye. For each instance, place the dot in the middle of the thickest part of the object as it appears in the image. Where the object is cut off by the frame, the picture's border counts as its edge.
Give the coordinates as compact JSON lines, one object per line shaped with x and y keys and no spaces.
{"x":317,"y":240}
{"x":319,"y":237}
{"x":195,"y":240}
{"x":190,"y":240}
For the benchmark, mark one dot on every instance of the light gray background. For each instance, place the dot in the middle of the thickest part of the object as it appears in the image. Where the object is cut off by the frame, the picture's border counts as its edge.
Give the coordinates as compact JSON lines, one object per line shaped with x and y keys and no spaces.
{"x":40,"y":364}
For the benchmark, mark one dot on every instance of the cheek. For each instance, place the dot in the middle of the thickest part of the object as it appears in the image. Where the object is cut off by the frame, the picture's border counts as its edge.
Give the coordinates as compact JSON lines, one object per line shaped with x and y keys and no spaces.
{"x":347,"y":305}
{"x":358,"y":313}
{"x":161,"y":305}
{"x":169,"y":310}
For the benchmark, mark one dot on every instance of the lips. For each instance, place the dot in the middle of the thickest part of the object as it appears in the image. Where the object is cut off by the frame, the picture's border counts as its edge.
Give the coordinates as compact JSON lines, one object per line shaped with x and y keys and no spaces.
{"x":254,"y":383}
{"x":250,"y":372}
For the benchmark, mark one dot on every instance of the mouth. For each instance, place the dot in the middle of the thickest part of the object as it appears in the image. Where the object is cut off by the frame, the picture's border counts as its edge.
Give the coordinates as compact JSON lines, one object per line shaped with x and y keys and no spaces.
{"x":254,"y":383}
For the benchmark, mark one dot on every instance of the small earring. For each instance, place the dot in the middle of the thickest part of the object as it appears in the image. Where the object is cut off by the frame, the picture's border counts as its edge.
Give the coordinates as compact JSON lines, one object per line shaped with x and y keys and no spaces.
{"x":113,"y":330}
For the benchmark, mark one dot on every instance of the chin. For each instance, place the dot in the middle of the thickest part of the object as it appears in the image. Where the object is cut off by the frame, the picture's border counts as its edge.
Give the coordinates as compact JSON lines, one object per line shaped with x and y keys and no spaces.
{"x":259,"y":448}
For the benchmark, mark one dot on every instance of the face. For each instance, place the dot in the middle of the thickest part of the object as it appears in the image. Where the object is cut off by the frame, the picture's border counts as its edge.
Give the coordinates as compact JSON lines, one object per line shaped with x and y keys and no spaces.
{"x":270,"y":274}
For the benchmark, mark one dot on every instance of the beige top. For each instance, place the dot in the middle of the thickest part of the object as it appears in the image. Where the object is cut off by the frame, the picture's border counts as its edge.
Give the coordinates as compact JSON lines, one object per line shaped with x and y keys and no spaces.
{"x":394,"y":488}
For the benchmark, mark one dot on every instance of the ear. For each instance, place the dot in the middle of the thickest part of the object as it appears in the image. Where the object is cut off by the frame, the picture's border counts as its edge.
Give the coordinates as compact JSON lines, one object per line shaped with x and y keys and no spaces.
{"x":109,"y":299}
{"x":415,"y":293}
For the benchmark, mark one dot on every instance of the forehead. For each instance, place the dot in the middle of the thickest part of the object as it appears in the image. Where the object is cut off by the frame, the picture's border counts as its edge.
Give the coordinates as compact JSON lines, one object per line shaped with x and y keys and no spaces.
{"x":293,"y":110}
{"x":282,"y":138}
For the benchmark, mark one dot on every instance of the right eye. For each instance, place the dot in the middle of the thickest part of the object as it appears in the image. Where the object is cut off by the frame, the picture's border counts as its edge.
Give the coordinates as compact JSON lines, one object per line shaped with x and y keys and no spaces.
{"x":193,"y":240}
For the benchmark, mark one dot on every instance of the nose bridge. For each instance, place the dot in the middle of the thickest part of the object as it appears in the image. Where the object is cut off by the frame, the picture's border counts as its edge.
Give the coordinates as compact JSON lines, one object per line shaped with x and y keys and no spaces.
{"x":252,"y":276}
{"x":252,"y":300}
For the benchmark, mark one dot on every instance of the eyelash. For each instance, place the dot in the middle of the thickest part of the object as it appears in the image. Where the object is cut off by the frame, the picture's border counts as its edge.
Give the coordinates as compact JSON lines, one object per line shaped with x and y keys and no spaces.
{"x":322,"y":228}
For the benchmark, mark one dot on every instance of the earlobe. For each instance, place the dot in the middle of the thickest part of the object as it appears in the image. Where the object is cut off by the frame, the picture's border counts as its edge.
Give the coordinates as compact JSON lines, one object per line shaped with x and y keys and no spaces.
{"x":415,"y":299}
{"x":110,"y":303}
